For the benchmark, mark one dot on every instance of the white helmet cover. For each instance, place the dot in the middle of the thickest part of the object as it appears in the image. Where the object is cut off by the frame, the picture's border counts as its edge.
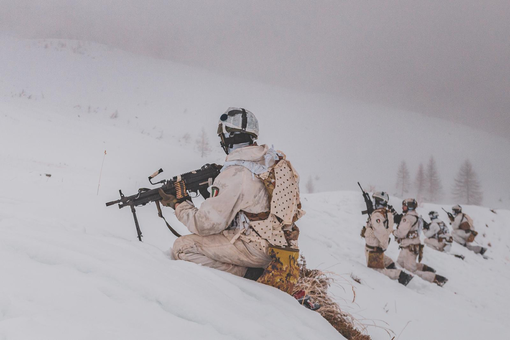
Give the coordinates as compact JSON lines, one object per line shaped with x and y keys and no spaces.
{"x":381,"y":196}
{"x":433,"y":215}
{"x":237,"y":119}
{"x":457,"y":209}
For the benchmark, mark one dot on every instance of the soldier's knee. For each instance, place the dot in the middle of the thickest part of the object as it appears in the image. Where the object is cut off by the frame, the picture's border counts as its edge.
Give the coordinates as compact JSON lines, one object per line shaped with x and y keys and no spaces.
{"x":181,"y":245}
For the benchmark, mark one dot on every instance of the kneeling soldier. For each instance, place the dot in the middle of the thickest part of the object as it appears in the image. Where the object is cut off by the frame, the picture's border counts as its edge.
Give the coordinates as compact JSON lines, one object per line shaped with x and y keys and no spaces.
{"x":377,"y":237}
{"x":407,"y":236}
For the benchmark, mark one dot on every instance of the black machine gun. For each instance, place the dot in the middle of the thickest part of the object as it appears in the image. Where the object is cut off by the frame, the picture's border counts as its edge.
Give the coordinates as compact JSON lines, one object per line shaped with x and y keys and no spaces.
{"x":196,"y":181}
{"x":450,"y":215}
{"x":368,"y":202}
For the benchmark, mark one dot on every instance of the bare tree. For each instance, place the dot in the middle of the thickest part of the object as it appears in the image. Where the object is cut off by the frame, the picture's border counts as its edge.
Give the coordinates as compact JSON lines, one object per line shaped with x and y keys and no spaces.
{"x":420,"y":183}
{"x":403,"y":180}
{"x":467,"y":188}
{"x":434,"y":188}
{"x":203,"y":144}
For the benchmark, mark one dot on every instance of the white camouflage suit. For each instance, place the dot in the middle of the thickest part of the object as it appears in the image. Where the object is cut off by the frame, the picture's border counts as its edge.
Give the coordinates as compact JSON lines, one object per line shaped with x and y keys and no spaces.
{"x":460,"y":236}
{"x":212,"y":243}
{"x":408,"y":237}
{"x":437,"y":236}
{"x":377,"y":235}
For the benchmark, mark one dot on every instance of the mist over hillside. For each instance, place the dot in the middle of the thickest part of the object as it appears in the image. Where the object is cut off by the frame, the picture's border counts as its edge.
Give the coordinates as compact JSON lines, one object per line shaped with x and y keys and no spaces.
{"x":79,"y":121}
{"x":332,"y":141}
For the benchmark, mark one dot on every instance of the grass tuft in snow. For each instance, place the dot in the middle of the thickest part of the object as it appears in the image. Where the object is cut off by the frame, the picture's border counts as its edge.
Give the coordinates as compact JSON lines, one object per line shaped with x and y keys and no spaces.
{"x":316,"y":283}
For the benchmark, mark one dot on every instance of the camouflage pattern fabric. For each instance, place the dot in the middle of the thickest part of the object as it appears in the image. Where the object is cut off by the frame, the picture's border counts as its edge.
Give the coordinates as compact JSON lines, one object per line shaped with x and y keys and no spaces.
{"x":283,"y":271}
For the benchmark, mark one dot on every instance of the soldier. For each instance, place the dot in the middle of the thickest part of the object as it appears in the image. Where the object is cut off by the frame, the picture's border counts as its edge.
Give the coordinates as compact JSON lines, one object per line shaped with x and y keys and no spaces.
{"x":437,"y":234}
{"x":408,"y":238}
{"x":464,"y":230}
{"x":377,"y":237}
{"x":234,"y":229}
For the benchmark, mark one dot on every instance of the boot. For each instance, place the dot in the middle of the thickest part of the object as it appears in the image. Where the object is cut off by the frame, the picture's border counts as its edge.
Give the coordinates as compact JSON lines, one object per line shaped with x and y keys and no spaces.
{"x":253,"y":273}
{"x":428,"y":269}
{"x":391,"y":266}
{"x":404,"y":278}
{"x":440,"y":280}
{"x":483,"y":250}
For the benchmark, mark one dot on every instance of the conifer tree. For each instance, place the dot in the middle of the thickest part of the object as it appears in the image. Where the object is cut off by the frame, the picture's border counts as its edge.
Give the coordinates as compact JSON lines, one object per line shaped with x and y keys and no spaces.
{"x":420,"y":183}
{"x":403,"y":180}
{"x":434,"y":188}
{"x":467,"y":188}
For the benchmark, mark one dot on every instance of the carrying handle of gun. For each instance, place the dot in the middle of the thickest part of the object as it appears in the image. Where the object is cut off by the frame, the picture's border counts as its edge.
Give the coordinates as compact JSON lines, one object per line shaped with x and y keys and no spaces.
{"x":154,"y":175}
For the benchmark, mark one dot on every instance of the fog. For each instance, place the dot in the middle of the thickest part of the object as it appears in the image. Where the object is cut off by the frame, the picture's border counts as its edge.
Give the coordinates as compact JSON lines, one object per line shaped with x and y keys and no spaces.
{"x":446,"y":58}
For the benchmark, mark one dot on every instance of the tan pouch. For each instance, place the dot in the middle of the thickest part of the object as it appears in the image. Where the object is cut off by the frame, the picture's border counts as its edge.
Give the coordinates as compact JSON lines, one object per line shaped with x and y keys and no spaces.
{"x":420,"y":252}
{"x":283,"y":270}
{"x":375,"y":260}
{"x":465,"y":226}
{"x":472,"y":236}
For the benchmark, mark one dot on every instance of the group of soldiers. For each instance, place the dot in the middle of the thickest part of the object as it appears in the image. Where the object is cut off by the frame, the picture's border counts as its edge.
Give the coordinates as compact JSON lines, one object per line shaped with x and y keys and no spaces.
{"x":380,"y":227}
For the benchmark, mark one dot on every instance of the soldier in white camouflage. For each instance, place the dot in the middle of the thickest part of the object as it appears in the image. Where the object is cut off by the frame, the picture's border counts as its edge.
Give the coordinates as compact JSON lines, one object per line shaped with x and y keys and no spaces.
{"x":233,"y":229}
{"x":463,"y":230}
{"x":407,"y":235}
{"x":437,"y":234}
{"x":377,"y":237}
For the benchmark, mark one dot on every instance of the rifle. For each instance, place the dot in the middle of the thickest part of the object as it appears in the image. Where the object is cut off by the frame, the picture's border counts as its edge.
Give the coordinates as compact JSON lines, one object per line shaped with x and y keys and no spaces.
{"x":368,"y":202}
{"x":450,"y":215}
{"x":196,"y":181}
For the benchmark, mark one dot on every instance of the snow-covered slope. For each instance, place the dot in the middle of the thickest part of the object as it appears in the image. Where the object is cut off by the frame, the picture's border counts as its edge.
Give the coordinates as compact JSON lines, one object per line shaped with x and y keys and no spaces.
{"x":73,"y":269}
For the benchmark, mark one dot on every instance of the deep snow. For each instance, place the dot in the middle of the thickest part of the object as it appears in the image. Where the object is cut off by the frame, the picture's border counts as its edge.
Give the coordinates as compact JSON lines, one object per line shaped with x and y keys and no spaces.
{"x":73,"y":269}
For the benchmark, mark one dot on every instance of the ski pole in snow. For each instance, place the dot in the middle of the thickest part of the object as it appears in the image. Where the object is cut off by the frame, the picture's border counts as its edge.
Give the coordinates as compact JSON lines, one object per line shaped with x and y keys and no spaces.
{"x":100,"y":173}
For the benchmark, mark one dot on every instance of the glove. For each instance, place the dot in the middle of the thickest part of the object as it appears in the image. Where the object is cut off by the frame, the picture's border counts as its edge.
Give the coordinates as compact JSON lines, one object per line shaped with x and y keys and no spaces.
{"x":169,"y":200}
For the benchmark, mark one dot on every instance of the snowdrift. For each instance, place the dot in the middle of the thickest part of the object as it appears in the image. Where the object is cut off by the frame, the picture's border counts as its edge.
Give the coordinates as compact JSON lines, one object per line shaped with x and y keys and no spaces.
{"x":72,"y":268}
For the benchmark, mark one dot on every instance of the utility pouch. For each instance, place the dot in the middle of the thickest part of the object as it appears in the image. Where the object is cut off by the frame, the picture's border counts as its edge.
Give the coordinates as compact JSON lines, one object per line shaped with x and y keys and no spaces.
{"x":472,"y":236}
{"x":375,"y":260}
{"x":465,"y":226}
{"x":283,"y":270}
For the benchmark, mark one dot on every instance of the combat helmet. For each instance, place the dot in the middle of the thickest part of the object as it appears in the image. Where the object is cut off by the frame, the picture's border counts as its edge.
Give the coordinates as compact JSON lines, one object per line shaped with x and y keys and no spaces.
{"x":237,"y":126}
{"x":410,"y":203}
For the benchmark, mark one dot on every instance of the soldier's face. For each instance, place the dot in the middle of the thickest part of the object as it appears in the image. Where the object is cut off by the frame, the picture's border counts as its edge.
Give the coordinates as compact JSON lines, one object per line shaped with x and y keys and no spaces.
{"x":404,"y":208}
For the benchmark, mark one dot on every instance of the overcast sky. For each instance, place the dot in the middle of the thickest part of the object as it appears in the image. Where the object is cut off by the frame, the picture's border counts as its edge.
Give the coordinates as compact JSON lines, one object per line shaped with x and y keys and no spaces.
{"x":446,"y":58}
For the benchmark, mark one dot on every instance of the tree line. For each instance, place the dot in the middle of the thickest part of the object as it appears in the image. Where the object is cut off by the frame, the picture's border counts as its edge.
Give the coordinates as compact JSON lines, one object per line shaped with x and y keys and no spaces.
{"x":427,"y":185}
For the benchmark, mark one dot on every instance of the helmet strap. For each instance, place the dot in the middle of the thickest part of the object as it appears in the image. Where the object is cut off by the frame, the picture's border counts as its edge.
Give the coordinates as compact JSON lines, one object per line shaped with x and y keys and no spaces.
{"x":228,"y":142}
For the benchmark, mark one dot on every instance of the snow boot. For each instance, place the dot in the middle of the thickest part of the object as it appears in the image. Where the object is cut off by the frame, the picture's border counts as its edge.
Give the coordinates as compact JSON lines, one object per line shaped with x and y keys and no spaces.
{"x":304,"y":300}
{"x":404,"y":278}
{"x":483,"y":250}
{"x":428,"y":269}
{"x":254,"y":273}
{"x":440,"y":280}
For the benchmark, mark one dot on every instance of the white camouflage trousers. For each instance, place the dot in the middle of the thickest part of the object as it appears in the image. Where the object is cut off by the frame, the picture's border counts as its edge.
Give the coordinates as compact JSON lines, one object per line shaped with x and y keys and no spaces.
{"x":460,"y":236}
{"x":407,"y":260}
{"x":216,"y":251}
{"x":391,"y":273}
